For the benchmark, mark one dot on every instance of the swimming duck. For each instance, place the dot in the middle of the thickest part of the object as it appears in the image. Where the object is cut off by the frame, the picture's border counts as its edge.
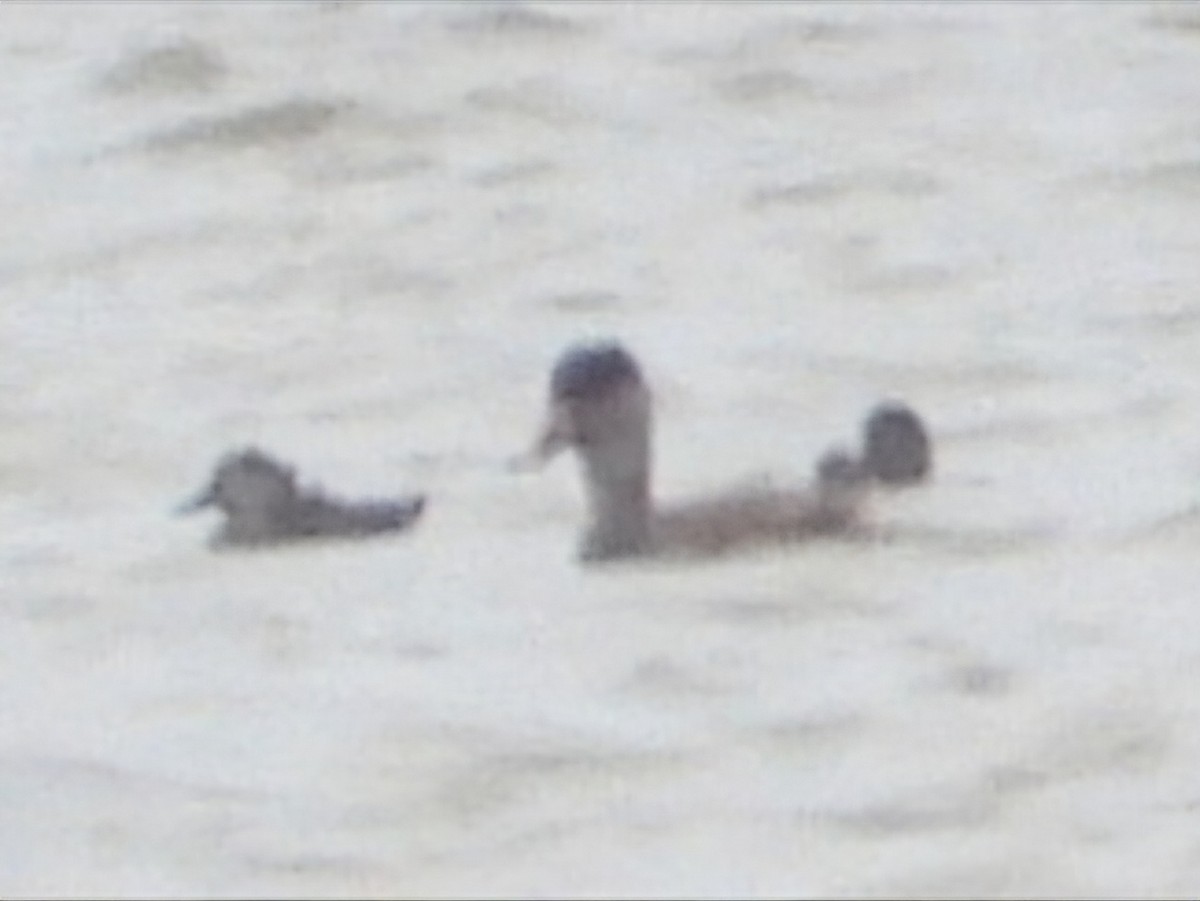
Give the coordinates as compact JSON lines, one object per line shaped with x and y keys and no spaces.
{"x":263,"y":505}
{"x":600,"y":406}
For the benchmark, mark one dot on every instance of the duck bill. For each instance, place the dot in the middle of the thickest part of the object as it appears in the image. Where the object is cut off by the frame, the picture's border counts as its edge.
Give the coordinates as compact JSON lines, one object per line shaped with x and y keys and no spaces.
{"x":205,"y":498}
{"x":555,"y":436}
{"x":558,"y":433}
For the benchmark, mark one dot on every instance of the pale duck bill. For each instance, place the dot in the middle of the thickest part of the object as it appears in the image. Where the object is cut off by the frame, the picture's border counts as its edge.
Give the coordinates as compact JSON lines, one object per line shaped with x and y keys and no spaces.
{"x":205,"y":498}
{"x":556,"y":435}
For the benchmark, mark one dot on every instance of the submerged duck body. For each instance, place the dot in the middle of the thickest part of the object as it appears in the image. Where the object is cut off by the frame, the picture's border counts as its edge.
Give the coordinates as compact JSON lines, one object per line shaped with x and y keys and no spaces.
{"x":263,"y":505}
{"x":600,"y":407}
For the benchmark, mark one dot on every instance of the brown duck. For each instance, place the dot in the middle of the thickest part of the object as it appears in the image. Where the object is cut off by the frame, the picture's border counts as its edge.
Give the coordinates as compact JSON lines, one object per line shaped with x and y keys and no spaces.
{"x":600,"y":406}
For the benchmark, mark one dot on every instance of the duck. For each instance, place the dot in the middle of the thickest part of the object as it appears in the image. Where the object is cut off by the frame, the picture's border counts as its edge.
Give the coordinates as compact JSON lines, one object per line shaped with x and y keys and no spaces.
{"x":600,"y":407}
{"x":263,"y":505}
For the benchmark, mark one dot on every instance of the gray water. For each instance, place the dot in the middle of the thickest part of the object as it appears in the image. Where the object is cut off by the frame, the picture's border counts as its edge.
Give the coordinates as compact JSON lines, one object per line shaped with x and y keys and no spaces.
{"x":358,"y":234}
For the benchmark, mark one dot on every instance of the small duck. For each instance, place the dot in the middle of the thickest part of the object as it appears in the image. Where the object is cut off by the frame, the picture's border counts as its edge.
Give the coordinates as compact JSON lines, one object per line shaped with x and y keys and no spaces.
{"x":263,"y":505}
{"x":600,"y":406}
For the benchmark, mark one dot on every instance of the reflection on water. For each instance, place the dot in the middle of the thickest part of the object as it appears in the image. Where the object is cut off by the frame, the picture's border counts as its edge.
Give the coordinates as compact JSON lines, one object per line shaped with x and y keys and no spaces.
{"x":360,"y":233}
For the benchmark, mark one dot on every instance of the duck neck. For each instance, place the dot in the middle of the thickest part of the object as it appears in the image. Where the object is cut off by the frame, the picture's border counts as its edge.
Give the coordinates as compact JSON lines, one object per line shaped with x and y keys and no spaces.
{"x":618,"y":484}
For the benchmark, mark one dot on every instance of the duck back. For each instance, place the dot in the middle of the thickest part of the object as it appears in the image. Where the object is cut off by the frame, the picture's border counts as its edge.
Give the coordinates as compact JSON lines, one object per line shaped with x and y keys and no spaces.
{"x":330,"y":517}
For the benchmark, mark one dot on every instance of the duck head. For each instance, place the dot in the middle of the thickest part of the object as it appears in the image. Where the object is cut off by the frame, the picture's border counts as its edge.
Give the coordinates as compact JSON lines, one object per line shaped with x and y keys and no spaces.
{"x":599,"y":406}
{"x":246,"y":482}
{"x":896,"y":446}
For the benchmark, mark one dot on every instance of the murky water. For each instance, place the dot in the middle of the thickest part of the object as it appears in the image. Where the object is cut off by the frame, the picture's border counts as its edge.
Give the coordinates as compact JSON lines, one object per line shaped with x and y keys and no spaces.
{"x":358,"y":234}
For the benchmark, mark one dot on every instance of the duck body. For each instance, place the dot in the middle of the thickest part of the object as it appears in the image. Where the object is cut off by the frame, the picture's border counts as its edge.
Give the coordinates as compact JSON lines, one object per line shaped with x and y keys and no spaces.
{"x":600,"y":407}
{"x":263,"y":506}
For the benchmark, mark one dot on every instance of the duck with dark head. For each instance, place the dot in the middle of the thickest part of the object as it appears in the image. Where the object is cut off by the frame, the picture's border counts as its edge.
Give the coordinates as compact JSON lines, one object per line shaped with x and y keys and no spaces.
{"x":600,"y":407}
{"x":263,"y":505}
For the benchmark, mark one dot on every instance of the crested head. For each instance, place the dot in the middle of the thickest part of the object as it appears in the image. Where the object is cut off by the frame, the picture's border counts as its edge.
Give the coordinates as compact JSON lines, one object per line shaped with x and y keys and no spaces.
{"x":593,"y":370}
{"x":896,"y":446}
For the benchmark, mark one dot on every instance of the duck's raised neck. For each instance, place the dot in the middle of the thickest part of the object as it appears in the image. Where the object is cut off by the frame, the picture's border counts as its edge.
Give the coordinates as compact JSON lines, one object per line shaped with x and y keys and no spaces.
{"x":599,"y":405}
{"x":616,"y":473}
